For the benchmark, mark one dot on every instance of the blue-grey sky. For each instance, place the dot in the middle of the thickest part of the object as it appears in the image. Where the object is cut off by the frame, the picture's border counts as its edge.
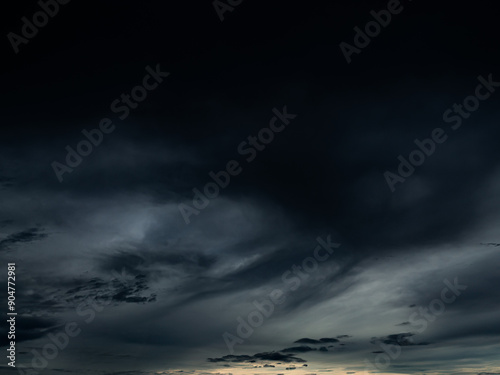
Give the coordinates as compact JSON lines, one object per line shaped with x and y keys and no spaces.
{"x":306,"y":257}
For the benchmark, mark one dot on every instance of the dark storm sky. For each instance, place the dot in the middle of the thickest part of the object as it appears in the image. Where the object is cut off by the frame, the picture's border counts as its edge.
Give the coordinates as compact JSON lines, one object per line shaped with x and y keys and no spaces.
{"x":113,"y":227}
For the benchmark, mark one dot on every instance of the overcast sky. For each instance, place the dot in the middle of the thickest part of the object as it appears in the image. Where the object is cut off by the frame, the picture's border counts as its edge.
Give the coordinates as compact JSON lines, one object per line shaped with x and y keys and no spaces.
{"x":322,"y":249}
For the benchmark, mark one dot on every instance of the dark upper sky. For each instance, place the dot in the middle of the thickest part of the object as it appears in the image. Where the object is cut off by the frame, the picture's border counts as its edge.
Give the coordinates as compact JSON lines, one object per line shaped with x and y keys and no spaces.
{"x":158,"y":283}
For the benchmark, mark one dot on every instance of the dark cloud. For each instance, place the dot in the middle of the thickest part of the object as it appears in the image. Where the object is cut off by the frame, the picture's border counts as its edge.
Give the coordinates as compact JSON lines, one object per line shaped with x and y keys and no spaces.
{"x":298,"y":349}
{"x":128,"y":289}
{"x":30,"y":328}
{"x":401,"y":339}
{"x":328,"y":340}
{"x":27,"y":235}
{"x":274,"y":356}
{"x":134,"y":262}
{"x":265,"y":356}
{"x":6,"y":181}
{"x":313,"y":342}
{"x":307,"y":341}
